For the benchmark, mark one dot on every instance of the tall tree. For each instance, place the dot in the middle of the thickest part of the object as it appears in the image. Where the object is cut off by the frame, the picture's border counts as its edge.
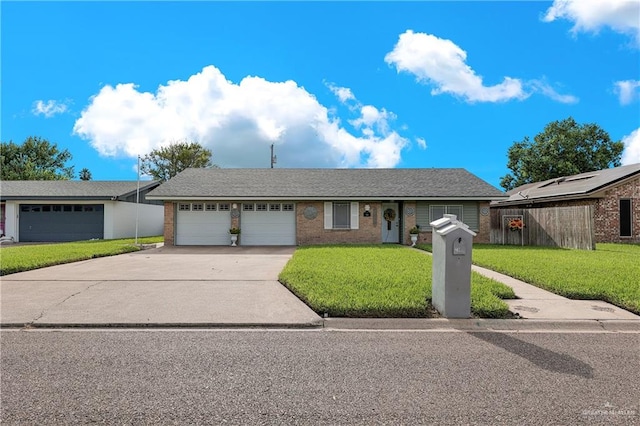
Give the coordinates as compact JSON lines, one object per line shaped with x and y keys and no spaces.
{"x":34,"y":159}
{"x":166,"y":162}
{"x":563,"y":148}
{"x":85,"y":174}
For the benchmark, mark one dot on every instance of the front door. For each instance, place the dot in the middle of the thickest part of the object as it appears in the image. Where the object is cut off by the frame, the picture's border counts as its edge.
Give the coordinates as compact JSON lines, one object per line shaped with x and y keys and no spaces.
{"x":390,"y":223}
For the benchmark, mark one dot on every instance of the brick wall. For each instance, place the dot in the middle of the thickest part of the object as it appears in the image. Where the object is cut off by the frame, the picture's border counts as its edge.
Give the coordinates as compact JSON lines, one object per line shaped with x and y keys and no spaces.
{"x":169,"y":228}
{"x":311,"y":231}
{"x":607,"y":211}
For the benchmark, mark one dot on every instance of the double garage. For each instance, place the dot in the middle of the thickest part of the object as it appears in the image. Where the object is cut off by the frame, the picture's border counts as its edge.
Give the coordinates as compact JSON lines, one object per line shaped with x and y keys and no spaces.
{"x":61,"y":222}
{"x":261,"y":223}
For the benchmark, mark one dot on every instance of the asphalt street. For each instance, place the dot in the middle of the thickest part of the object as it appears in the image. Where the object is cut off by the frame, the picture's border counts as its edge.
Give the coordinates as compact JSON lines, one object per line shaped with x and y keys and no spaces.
{"x":318,"y":377}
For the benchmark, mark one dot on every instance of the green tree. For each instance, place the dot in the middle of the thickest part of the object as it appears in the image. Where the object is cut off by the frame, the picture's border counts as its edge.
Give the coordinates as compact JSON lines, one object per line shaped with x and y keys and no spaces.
{"x":85,"y":174}
{"x":166,"y":162}
{"x":34,"y":159}
{"x":563,"y":148}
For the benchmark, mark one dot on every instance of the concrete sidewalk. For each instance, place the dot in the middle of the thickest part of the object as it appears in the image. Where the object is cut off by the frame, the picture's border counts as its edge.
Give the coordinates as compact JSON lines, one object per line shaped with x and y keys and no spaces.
{"x":536,"y":303}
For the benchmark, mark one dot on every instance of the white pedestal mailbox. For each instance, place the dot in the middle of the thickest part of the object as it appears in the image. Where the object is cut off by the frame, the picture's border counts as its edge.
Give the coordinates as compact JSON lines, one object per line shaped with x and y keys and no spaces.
{"x":452,"y":241}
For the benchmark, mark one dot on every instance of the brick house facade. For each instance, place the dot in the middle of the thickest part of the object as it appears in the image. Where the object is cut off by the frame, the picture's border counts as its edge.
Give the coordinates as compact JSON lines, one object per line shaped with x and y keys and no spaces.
{"x":316,"y":206}
{"x":615,"y":197}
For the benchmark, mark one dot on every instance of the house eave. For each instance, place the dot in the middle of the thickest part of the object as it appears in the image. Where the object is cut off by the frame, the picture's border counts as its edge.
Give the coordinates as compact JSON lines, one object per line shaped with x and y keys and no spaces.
{"x":337,"y":197}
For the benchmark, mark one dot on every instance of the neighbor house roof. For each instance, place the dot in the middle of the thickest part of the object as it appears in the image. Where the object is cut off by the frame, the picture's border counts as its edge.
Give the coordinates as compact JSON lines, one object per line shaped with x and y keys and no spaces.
{"x":298,"y":184}
{"x":583,"y":185}
{"x":70,"y":189}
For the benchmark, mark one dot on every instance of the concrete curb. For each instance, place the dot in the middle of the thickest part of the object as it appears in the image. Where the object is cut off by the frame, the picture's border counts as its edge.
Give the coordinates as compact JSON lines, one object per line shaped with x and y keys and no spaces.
{"x":309,"y":325}
{"x":380,"y":324}
{"x":483,"y":324}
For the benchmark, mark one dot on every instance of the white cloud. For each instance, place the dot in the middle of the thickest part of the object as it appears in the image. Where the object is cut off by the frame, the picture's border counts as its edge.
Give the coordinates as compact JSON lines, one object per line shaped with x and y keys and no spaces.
{"x":238,"y":122}
{"x":49,"y":108}
{"x":544,"y":88}
{"x":631,"y":153}
{"x":627,"y":91}
{"x":621,"y":16}
{"x":442,"y":64}
{"x":344,"y":94}
{"x":421,"y":143}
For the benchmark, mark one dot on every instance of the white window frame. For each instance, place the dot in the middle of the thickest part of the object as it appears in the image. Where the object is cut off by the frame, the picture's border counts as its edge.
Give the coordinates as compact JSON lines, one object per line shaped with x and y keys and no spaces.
{"x":210,"y":207}
{"x":287,"y":207}
{"x":184,"y":207}
{"x":262,"y":207}
{"x":354,"y":215}
{"x":224,"y":207}
{"x":197,"y":207}
{"x":275,"y":207}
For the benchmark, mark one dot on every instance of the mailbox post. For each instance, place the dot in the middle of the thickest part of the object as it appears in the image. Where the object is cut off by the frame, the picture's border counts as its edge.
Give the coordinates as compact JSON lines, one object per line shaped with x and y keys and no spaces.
{"x":451,"y":279}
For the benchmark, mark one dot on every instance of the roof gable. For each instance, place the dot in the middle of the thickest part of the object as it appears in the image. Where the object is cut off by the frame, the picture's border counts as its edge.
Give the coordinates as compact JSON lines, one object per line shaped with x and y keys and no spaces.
{"x":325,"y":183}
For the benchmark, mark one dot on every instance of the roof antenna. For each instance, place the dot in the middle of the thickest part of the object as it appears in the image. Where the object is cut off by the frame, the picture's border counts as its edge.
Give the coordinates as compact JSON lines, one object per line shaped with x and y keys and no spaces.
{"x":274,"y":159}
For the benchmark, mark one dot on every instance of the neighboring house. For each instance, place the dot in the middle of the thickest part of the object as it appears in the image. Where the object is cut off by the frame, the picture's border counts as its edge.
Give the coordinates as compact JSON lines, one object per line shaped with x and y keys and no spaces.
{"x":612,"y":194}
{"x":319,"y":206}
{"x":64,"y":210}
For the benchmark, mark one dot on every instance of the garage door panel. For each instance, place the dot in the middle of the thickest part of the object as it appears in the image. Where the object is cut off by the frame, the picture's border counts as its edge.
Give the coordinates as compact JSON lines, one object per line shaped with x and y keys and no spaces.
{"x":203,"y":228}
{"x":268,"y":228}
{"x":38,"y":225}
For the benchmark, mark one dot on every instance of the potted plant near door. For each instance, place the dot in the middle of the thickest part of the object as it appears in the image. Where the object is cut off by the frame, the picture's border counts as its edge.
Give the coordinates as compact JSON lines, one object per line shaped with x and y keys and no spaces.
{"x":234,"y":235}
{"x":413,"y":233}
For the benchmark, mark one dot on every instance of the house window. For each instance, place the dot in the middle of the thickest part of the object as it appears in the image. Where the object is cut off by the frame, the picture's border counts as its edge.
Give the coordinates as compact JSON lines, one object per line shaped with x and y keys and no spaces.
{"x":625,"y":218}
{"x":437,"y":212}
{"x":287,"y":207}
{"x":223,"y":207}
{"x":274,"y":207}
{"x":197,"y":207}
{"x":341,"y":215}
{"x":87,"y":208}
{"x":247,"y":207}
{"x":183,"y":207}
{"x":210,"y":207}
{"x":261,"y":207}
{"x":46,"y":208}
{"x":57,"y":208}
{"x":66,"y":208}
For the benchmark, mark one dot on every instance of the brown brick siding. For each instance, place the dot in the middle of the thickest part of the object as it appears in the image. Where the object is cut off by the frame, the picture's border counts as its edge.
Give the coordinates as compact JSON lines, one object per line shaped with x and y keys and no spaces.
{"x":311,"y":231}
{"x":169,"y":227}
{"x":607,"y":211}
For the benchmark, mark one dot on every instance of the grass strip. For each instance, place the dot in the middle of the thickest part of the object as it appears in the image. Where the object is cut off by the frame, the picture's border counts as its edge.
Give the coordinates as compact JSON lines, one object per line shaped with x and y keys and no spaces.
{"x":377,"y":281}
{"x":22,"y":258}
{"x":610,"y":273}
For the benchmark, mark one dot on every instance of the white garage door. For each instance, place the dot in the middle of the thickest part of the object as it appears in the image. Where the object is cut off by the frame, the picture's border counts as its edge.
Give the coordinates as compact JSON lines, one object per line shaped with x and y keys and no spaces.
{"x":268,"y":224}
{"x":203,"y":224}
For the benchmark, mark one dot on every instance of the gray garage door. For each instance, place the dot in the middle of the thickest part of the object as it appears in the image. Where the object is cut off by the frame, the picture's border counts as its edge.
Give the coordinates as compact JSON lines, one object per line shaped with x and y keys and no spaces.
{"x":61,"y":222}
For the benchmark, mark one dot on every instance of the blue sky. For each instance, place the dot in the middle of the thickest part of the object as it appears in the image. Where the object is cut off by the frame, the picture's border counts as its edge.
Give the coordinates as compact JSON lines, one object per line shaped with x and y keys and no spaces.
{"x":330,"y":84}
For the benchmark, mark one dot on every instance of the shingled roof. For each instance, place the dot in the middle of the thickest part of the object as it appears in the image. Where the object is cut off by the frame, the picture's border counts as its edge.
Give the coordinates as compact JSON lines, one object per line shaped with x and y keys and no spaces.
{"x":583,"y":185}
{"x":69,"y":189}
{"x":298,"y":184}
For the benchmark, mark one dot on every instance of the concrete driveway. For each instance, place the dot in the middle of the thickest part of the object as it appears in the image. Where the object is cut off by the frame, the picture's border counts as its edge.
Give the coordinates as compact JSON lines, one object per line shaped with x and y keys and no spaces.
{"x":166,"y":286}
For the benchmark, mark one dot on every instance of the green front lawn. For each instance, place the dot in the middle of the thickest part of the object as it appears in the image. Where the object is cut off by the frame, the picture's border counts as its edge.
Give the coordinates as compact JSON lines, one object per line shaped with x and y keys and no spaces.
{"x":377,"y":281}
{"x":610,"y":273}
{"x":24,"y":258}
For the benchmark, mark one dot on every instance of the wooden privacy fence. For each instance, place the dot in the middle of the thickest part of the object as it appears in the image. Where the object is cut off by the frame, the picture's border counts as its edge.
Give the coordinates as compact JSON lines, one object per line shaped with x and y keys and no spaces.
{"x":569,"y":227}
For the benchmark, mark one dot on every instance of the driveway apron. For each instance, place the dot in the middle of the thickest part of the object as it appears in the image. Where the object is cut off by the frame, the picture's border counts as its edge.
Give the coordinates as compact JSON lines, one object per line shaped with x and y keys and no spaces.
{"x":167,"y":286}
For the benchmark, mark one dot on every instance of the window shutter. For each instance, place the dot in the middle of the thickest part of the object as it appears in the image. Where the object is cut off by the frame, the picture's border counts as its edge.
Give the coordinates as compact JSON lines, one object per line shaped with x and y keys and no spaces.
{"x":355,"y":214}
{"x":328,"y":215}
